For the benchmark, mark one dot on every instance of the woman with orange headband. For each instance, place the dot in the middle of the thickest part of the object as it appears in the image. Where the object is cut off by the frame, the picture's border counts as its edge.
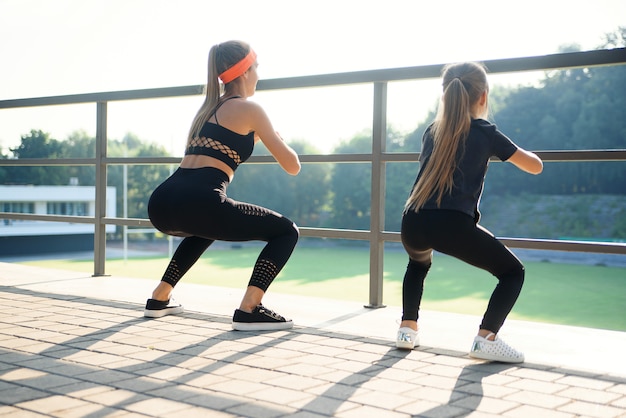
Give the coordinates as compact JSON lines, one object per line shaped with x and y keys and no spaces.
{"x":192,"y":203}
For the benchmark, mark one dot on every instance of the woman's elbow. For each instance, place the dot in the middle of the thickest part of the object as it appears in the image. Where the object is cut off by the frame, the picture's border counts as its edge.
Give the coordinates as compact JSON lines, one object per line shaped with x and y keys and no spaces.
{"x":537,"y":168}
{"x":294,"y":168}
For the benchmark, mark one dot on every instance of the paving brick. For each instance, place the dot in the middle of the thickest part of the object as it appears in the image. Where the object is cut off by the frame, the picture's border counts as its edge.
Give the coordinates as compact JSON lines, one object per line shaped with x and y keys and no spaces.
{"x":536,"y":386}
{"x":383,"y":400}
{"x":115,"y":397}
{"x":370,"y":412}
{"x":584,"y":382}
{"x":303,"y":369}
{"x":439,"y":382}
{"x":12,"y":412}
{"x":485,"y":404}
{"x":418,"y":407}
{"x":389,"y":386}
{"x":280,"y":396}
{"x":261,"y":410}
{"x":52,"y":405}
{"x":619,"y":388}
{"x":534,"y":374}
{"x":588,"y":409}
{"x":89,"y":356}
{"x":484,"y":389}
{"x":14,"y":394}
{"x":526,"y":411}
{"x":620,"y":402}
{"x":589,"y":395}
{"x":538,"y":399}
{"x":440,"y":396}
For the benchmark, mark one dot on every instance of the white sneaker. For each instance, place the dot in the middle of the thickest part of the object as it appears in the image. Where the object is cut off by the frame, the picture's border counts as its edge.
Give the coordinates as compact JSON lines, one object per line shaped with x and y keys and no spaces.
{"x":407,"y":339}
{"x":496,"y":350}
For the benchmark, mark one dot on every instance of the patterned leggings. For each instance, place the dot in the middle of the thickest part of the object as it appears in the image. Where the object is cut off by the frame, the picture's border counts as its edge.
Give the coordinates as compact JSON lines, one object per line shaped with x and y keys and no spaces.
{"x":192,"y":203}
{"x":456,"y":234}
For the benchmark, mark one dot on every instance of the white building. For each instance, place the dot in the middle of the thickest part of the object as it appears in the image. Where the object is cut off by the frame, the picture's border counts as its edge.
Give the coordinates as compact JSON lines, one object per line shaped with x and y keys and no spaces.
{"x":25,"y":236}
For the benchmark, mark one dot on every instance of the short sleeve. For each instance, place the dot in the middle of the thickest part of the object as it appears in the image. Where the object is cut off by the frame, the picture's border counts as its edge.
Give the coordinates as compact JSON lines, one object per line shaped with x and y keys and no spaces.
{"x":503,"y":147}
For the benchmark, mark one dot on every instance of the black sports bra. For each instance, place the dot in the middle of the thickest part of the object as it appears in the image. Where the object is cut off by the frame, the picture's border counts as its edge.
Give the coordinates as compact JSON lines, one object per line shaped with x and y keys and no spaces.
{"x":221,"y":143}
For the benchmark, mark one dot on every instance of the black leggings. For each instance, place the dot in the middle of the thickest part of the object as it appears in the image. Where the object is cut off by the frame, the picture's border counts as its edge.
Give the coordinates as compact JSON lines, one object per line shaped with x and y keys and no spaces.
{"x":456,"y":234}
{"x":192,"y":203}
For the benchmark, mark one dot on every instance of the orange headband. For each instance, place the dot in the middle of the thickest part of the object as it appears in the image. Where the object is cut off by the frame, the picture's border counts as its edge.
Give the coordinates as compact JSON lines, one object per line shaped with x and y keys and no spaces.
{"x":239,"y":68}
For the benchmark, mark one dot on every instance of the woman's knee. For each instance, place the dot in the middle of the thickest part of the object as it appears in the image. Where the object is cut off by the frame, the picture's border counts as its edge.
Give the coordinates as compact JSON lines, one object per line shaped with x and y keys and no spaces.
{"x":515,"y":275}
{"x":290,"y":229}
{"x":295,"y":231}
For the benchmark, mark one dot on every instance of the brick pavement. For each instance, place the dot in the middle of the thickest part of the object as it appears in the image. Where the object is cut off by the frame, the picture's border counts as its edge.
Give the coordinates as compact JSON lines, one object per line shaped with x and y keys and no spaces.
{"x":76,"y":346}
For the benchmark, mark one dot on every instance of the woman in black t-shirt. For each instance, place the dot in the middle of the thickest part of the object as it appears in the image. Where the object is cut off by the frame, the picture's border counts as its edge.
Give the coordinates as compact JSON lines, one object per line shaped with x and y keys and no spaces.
{"x":442,"y":213}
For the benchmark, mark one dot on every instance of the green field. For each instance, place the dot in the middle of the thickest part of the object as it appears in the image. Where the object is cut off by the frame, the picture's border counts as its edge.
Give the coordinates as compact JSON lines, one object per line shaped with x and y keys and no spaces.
{"x":579,"y":295}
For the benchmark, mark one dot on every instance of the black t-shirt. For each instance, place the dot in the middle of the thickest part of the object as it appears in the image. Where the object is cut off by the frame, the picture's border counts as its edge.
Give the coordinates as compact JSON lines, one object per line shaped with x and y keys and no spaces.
{"x":472,"y":160}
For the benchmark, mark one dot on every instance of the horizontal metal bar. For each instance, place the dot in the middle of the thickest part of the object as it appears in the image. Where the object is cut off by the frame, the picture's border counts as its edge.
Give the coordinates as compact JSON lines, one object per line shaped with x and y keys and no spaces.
{"x":111,"y":96}
{"x":50,"y":218}
{"x":564,"y":245}
{"x":304,"y":231}
{"x":546,"y":156}
{"x":583,"y":155}
{"x":335,"y":233}
{"x":507,"y":65}
{"x":545,"y":244}
{"x":351,"y":234}
{"x":127,"y":222}
{"x":42,"y":162}
{"x":141,"y":160}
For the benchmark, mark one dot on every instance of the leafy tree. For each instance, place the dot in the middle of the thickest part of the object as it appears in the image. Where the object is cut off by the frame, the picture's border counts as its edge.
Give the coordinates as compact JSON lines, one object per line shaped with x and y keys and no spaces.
{"x":37,"y":144}
{"x":350,"y":186}
{"x":141,"y":179}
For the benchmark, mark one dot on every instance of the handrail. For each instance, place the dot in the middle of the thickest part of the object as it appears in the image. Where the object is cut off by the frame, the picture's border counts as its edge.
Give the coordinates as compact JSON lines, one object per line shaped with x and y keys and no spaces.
{"x":508,"y":65}
{"x":546,"y":156}
{"x":376,"y":235}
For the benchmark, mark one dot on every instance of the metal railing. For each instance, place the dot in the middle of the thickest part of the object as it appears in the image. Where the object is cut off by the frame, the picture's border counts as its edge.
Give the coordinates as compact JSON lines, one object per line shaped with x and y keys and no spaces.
{"x":376,"y":235}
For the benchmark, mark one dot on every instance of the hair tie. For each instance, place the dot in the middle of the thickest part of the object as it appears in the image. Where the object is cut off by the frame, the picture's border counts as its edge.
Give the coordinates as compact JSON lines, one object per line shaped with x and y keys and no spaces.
{"x":239,"y":68}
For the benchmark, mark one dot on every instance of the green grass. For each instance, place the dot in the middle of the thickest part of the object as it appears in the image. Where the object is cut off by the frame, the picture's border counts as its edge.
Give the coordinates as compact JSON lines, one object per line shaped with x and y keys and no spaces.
{"x":579,"y":295}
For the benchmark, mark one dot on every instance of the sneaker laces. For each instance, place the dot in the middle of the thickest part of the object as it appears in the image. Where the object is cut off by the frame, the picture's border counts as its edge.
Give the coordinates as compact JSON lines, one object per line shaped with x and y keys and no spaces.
{"x":266,"y":311}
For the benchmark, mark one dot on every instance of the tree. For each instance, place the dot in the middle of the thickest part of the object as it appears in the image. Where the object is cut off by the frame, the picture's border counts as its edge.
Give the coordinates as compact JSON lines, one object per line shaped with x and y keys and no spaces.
{"x":350,"y":186}
{"x":141,"y":179}
{"x":37,"y":144}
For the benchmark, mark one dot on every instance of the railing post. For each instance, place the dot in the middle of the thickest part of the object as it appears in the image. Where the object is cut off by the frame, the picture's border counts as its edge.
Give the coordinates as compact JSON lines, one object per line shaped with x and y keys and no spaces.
{"x":99,"y":237}
{"x":377,"y":203}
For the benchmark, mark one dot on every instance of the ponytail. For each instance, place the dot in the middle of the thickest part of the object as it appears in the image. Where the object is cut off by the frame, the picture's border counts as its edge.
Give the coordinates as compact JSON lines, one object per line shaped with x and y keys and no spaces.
{"x":221,"y":57}
{"x":463,"y":85}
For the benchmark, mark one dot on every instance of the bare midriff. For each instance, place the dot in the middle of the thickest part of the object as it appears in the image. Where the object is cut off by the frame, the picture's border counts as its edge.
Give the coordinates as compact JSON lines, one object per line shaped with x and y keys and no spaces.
{"x":202,"y":161}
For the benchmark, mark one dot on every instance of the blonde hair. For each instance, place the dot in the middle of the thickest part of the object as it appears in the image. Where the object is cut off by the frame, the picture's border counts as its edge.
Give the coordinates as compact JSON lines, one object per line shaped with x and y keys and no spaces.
{"x":463,"y":86}
{"x":221,"y":58}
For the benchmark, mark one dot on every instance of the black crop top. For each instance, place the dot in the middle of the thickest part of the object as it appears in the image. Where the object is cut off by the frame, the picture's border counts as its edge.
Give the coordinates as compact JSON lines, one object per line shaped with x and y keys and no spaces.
{"x":221,"y":143}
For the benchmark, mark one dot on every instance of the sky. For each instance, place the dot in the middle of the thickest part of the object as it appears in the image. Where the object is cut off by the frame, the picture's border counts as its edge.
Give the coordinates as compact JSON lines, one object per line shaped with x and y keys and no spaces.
{"x":59,"y":47}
